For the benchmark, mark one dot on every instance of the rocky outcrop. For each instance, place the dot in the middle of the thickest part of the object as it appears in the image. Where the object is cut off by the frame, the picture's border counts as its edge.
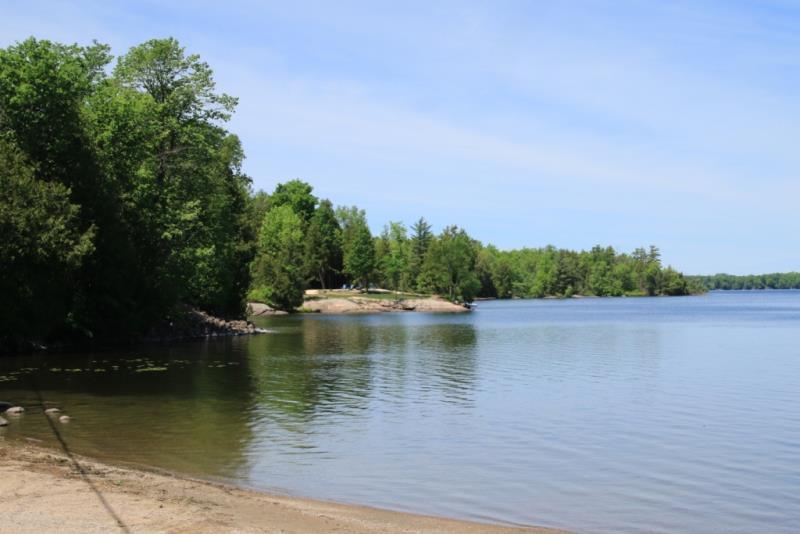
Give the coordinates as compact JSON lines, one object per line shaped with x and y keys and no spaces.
{"x":194,"y":324}
{"x":372,"y":305}
{"x":257,"y":309}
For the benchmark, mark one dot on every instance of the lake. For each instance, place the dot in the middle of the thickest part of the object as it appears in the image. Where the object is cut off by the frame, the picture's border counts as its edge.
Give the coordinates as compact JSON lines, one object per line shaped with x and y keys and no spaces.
{"x":598,"y":415}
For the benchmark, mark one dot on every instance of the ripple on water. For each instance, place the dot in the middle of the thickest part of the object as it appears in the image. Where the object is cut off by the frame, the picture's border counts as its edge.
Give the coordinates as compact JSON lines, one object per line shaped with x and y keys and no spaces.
{"x":640,"y":415}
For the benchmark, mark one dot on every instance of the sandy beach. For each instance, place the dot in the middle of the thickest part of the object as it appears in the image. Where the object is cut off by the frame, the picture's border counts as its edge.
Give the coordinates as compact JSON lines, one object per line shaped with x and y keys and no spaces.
{"x":50,"y":491}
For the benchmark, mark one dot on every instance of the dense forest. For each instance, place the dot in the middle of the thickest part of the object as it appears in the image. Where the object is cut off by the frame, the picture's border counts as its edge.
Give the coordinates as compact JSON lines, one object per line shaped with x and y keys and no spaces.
{"x":123,"y":202}
{"x":751,"y":281}
{"x":305,"y":242}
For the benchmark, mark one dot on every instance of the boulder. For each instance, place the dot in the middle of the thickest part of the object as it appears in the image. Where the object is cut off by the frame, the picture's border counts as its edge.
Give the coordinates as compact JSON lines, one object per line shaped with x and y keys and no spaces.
{"x":15,"y":410}
{"x":64,"y":419}
{"x":3,"y":422}
{"x":52,"y":411}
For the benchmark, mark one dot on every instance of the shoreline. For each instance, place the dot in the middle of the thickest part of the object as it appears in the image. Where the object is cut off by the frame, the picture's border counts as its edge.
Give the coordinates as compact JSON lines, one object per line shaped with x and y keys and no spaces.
{"x":52,"y":491}
{"x":343,"y":305}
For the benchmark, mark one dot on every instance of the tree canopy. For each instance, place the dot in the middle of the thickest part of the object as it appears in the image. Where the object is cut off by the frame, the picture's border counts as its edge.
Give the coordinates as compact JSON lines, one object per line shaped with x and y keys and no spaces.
{"x":135,"y":170}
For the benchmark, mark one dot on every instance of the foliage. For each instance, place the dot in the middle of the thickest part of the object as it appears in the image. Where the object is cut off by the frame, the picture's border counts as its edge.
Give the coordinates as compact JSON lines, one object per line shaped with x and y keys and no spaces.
{"x":278,"y":270}
{"x":358,"y":249}
{"x":790,"y":280}
{"x":421,"y":237}
{"x":323,"y":245}
{"x":41,"y":250}
{"x":449,"y":267}
{"x":136,"y":168}
{"x":296,"y":194}
{"x":393,"y":257}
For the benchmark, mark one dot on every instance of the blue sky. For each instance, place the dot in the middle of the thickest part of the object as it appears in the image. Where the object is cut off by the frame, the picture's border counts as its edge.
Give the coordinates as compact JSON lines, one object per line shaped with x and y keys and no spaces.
{"x":529,"y":123}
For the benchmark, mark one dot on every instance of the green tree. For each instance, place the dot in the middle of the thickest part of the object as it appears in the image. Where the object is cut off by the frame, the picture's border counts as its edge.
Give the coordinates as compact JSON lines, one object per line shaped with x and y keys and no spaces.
{"x":296,"y":194}
{"x":277,"y":270}
{"x":503,"y":278}
{"x":359,"y":254}
{"x":449,"y":267}
{"x":421,"y":237}
{"x":41,"y":250}
{"x":393,"y":256}
{"x":187,"y":194}
{"x":358,"y":248}
{"x":323,"y":245}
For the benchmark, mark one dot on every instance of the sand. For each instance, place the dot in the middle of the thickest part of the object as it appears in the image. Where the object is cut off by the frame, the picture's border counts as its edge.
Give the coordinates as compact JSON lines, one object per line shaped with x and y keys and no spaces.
{"x":48,"y":491}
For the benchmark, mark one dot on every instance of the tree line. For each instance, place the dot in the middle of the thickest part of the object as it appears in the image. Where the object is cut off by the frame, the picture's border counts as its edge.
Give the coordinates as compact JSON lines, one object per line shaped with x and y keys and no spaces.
{"x":123,"y":201}
{"x":121,"y":192}
{"x":305,"y":243}
{"x":723,"y":281}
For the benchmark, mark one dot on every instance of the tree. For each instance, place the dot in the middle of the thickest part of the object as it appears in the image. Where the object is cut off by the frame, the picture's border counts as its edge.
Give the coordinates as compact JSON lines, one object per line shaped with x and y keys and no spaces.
{"x":181,"y":84}
{"x":673,"y":283}
{"x":485,"y":261}
{"x":188,"y":195}
{"x":323,"y":245}
{"x":393,"y":256}
{"x":42,"y":248}
{"x":449,"y":267}
{"x":44,"y":89}
{"x":421,"y":237}
{"x":358,"y":249}
{"x":503,"y":278}
{"x":296,"y":194}
{"x":153,"y":175}
{"x":278,"y":271}
{"x":359,"y":254}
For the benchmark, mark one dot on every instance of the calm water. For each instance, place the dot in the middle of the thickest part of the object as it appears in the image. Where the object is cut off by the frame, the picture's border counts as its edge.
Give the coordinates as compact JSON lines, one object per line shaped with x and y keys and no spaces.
{"x":599,"y":415}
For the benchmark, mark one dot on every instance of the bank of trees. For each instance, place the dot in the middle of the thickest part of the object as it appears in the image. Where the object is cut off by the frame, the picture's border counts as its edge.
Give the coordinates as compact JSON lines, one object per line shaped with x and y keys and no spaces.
{"x":121,"y":193}
{"x":123,"y":201}
{"x":789,"y":280}
{"x":340,"y":250}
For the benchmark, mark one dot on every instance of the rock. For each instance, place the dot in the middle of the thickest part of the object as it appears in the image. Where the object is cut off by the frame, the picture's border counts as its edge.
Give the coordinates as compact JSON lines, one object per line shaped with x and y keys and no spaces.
{"x":15,"y":410}
{"x":3,"y":422}
{"x":52,"y":411}
{"x":64,"y":419}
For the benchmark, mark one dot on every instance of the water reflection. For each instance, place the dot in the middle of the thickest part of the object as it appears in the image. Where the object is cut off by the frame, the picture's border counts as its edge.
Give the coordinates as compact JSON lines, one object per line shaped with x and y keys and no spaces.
{"x":594,"y":415}
{"x":184,"y":407}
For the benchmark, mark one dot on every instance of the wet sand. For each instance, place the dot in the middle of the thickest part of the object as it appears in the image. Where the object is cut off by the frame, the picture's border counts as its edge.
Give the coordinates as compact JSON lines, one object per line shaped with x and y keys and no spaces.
{"x":49,"y":491}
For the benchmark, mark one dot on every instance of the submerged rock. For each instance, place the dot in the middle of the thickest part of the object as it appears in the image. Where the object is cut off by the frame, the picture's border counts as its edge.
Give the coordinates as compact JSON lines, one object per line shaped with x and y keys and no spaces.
{"x":52,"y":411}
{"x":15,"y":410}
{"x":3,"y":422}
{"x":64,"y":419}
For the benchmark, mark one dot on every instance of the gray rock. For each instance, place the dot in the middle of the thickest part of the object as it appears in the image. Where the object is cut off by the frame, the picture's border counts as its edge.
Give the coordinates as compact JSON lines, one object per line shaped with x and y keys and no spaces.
{"x":15,"y":410}
{"x":64,"y":419}
{"x":3,"y":422}
{"x":52,"y":411}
